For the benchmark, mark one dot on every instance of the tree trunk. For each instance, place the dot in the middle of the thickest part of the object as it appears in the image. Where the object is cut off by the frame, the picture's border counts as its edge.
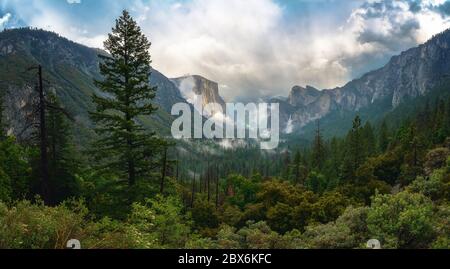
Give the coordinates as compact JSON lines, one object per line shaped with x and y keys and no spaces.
{"x":163,"y":173}
{"x":217,"y":188}
{"x":208,"y":183}
{"x":45,"y":187}
{"x":193,"y":189}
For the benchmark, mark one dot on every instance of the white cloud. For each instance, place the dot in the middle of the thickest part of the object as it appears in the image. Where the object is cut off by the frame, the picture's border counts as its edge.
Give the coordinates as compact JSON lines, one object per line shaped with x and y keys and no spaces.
{"x":247,"y":45}
{"x":40,"y":14}
{"x":45,"y":17}
{"x":250,"y":47}
{"x":4,"y":20}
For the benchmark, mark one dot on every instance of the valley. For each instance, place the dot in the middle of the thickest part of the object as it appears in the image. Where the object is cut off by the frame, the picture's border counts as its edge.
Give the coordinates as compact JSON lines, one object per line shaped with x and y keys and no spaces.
{"x":370,"y":159}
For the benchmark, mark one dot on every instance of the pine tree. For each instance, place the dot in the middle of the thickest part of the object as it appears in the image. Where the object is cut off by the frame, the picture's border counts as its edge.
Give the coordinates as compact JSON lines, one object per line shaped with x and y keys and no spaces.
{"x":124,"y":146}
{"x":383,"y":137}
{"x":163,"y":170}
{"x":217,"y":186}
{"x":335,"y":158}
{"x":297,"y":167}
{"x":356,"y":144}
{"x":413,"y":150}
{"x":369,"y":140}
{"x":193,"y":187}
{"x":446,"y":123}
{"x":63,"y":163}
{"x":439,"y":132}
{"x":424,"y":117}
{"x":354,"y":151}
{"x":318,"y":151}
{"x":43,"y":185}
{"x":2,"y":118}
{"x":286,"y":161}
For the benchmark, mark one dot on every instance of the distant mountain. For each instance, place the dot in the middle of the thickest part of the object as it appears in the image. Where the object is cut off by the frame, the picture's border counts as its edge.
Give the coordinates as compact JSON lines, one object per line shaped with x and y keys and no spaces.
{"x":69,"y":69}
{"x":411,"y":74}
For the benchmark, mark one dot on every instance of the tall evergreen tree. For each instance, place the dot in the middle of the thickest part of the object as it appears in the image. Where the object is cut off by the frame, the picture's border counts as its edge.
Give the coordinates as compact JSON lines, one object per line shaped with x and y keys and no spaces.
{"x":369,"y":140}
{"x":446,"y":123}
{"x":356,"y":144}
{"x":424,"y":117}
{"x":383,"y":137}
{"x":413,"y":151}
{"x":2,"y":117}
{"x":286,"y":161}
{"x":318,"y":151}
{"x":124,"y":145}
{"x":354,"y":151}
{"x":63,"y":161}
{"x":335,"y":158}
{"x":299,"y":169}
{"x":439,"y":132}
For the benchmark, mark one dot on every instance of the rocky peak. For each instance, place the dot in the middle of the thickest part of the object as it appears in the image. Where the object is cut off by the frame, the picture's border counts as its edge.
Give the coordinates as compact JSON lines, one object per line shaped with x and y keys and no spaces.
{"x":413,"y":73}
{"x":48,"y":48}
{"x":300,"y":96}
{"x":191,"y":87}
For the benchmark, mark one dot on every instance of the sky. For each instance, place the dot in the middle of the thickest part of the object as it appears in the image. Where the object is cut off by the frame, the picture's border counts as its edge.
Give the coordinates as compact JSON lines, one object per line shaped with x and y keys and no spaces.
{"x":252,"y":48}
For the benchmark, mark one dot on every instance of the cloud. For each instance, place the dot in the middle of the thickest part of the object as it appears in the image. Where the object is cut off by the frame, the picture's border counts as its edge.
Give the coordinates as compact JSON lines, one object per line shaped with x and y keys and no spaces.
{"x":41,"y":14}
{"x":228,"y":41}
{"x":393,"y":24}
{"x":384,"y":28}
{"x":254,"y":48}
{"x":249,"y":47}
{"x":4,"y":20}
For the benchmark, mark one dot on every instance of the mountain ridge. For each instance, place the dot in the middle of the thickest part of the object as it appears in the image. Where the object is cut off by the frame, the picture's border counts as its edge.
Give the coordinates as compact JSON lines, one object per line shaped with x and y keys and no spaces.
{"x":410,"y":74}
{"x":70,"y":69}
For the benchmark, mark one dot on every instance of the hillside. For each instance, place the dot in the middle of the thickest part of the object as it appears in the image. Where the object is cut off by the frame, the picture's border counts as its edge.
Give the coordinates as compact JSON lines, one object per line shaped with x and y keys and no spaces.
{"x":69,"y":69}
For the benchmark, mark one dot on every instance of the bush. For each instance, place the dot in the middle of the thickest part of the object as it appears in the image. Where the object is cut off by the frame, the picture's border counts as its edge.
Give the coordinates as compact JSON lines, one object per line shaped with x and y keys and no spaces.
{"x":436,"y":159}
{"x":404,"y":220}
{"x":35,"y":226}
{"x":347,"y":232}
{"x":159,"y":224}
{"x":205,"y":216}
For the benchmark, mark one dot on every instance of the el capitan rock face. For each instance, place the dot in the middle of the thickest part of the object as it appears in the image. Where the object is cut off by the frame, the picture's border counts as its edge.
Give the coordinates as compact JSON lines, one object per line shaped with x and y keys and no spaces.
{"x":194,"y":87}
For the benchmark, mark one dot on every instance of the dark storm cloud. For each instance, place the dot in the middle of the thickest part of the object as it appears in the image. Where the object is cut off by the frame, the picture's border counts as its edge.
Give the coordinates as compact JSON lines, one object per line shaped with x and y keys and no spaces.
{"x":398,"y":32}
{"x":388,"y":27}
{"x":444,"y":9}
{"x":395,"y":38}
{"x":415,"y":6}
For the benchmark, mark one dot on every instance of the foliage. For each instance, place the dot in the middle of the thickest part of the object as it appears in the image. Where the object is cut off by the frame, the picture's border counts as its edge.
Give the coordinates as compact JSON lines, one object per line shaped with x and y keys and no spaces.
{"x":243,"y":190}
{"x":348,"y":231}
{"x":34,"y":226}
{"x":204,"y":216}
{"x":125,"y":147}
{"x":15,"y":171}
{"x":64,"y":164}
{"x":404,"y":220}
